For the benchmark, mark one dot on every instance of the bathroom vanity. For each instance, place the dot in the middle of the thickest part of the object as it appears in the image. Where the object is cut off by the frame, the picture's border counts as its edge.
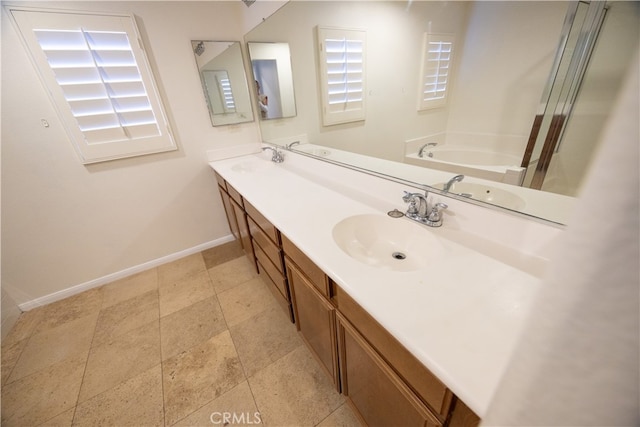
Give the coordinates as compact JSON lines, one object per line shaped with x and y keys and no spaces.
{"x":416,"y":341}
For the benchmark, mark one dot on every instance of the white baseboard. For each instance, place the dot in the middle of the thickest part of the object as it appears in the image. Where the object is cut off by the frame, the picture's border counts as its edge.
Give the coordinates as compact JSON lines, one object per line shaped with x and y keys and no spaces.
{"x":73,"y":290}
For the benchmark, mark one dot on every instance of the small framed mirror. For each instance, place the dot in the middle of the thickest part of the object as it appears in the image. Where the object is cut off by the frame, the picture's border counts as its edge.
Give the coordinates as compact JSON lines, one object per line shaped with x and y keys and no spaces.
{"x":224,"y":82}
{"x":273,"y":79}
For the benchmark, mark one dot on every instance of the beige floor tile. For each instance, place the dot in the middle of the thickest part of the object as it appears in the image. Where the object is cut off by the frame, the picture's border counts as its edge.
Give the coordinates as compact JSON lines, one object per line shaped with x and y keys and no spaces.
{"x":24,"y":326}
{"x":121,"y":359}
{"x":264,"y":338}
{"x":181,"y":268}
{"x":65,"y":419}
{"x":221,"y":254}
{"x":236,"y":407}
{"x":245,"y":301}
{"x":192,"y":325}
{"x":341,"y":417}
{"x":10,"y":354}
{"x":178,"y":295}
{"x":294,"y":390}
{"x":231,"y":273}
{"x":126,"y":316}
{"x":54,"y":345}
{"x":129,"y":287}
{"x":72,"y":308}
{"x":135,"y":402}
{"x":197,"y":376}
{"x":43,"y":395}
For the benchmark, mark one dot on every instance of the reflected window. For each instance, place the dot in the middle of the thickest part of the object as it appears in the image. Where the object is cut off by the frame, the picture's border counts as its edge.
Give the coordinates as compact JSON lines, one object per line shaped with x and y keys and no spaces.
{"x":437,"y":56}
{"x":342,"y":63}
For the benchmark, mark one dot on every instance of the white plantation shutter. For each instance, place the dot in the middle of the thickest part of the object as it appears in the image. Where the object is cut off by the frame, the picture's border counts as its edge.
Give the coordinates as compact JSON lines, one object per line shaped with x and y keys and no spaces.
{"x":220,"y":96}
{"x":98,"y":77}
{"x":227,"y":94}
{"x":342,"y":71}
{"x":437,"y":56}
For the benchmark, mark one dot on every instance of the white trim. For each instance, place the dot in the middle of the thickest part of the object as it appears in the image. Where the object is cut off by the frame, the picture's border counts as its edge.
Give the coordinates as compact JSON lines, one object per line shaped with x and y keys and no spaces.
{"x":73,"y":290}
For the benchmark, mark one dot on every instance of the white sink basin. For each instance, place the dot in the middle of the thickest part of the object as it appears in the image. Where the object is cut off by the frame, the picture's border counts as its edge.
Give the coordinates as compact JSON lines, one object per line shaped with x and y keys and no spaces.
{"x":389,"y":243}
{"x":250,"y":166}
{"x":486,"y":193}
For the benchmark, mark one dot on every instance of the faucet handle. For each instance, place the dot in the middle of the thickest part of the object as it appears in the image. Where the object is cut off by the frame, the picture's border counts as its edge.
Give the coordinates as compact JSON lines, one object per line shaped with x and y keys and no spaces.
{"x":435,"y":218}
{"x":410,"y":198}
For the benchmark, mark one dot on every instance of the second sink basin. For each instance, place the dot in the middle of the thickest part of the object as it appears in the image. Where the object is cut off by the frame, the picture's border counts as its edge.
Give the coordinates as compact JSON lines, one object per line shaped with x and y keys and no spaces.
{"x":486,"y":193}
{"x":384,"y":242}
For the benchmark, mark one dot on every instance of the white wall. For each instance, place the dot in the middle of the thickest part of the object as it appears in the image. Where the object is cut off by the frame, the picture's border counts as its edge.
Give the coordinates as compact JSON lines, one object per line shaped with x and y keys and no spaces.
{"x":487,"y":98}
{"x":611,"y":58}
{"x":394,"y":43}
{"x":502,"y":70}
{"x":65,"y":224}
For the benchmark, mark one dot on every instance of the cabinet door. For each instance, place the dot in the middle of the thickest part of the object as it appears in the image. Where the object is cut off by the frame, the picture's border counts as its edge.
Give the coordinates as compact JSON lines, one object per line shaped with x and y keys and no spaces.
{"x":315,"y":320}
{"x":379,"y":395}
{"x":231,"y":216}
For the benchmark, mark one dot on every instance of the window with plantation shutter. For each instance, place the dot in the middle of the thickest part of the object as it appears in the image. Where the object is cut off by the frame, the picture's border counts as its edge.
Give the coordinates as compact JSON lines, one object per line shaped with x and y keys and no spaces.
{"x":96,"y":71}
{"x":342,"y":74}
{"x":220,"y":95}
{"x":436,"y":70}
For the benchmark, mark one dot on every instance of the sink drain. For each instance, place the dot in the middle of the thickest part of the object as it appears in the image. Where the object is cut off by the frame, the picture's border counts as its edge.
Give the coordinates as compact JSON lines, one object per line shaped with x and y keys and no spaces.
{"x":398,"y":255}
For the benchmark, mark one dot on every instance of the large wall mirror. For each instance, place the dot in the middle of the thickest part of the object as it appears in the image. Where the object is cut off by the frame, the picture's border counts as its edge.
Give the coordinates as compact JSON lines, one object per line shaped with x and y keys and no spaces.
{"x":506,"y":59}
{"x":273,"y":80}
{"x":224,"y":82}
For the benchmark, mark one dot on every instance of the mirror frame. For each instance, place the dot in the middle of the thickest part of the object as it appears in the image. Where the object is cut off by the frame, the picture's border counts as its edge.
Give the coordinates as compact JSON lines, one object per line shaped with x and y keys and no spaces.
{"x":238,"y":84}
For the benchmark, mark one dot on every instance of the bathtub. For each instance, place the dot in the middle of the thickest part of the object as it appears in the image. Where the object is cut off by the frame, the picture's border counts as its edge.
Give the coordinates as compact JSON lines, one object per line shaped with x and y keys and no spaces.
{"x":490,"y":165}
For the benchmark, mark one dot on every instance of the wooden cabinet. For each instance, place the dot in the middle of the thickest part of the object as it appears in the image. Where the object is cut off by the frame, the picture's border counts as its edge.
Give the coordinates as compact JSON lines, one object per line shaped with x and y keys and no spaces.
{"x":236,"y":217}
{"x":431,"y":391}
{"x":378,"y":394}
{"x":229,"y":211}
{"x":315,"y":320}
{"x":269,"y":256}
{"x":383,"y":381}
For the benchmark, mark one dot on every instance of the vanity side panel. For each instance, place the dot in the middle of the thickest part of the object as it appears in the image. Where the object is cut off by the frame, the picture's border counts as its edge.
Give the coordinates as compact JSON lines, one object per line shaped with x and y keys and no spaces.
{"x":463,"y":416}
{"x":243,"y":229}
{"x":231,"y":215}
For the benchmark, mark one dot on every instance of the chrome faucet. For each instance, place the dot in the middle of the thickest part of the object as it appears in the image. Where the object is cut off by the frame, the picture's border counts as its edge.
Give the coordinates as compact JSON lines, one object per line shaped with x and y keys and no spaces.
{"x":417,"y":204}
{"x":418,"y":209}
{"x":429,"y":144}
{"x":449,"y":183}
{"x":288,"y":146}
{"x":277,"y":156}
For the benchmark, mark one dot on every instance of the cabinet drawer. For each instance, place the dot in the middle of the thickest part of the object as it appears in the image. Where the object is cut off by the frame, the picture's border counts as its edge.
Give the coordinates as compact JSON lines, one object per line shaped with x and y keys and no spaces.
{"x":429,"y":388}
{"x":379,"y":395}
{"x":283,"y":302}
{"x":235,"y":195}
{"x":263,"y":223}
{"x":312,"y":271}
{"x":275,"y":275}
{"x":268,"y":247}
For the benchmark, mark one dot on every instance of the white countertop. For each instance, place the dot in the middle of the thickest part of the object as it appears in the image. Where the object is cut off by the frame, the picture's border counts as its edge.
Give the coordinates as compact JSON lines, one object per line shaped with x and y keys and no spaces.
{"x":461,"y":316}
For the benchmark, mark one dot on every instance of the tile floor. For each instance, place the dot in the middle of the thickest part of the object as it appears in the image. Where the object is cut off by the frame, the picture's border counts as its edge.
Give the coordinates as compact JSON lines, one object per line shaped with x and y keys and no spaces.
{"x":187,"y":343}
